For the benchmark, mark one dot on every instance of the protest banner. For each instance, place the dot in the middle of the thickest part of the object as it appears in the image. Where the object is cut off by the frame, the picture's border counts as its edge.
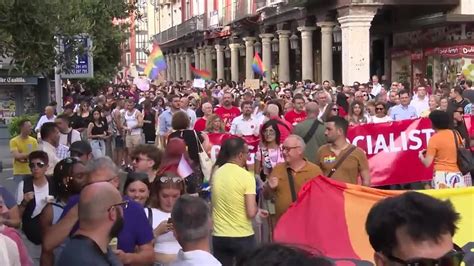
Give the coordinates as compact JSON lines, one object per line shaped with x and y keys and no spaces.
{"x":329,"y":218}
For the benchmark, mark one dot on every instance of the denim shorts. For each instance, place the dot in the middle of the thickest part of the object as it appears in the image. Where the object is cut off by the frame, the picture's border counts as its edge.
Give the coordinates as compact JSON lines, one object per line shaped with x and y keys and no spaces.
{"x":119,"y":143}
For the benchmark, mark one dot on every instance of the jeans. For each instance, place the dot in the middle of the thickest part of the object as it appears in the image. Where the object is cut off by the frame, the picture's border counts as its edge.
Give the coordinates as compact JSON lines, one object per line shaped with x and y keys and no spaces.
{"x":98,"y":147}
{"x":228,"y":249}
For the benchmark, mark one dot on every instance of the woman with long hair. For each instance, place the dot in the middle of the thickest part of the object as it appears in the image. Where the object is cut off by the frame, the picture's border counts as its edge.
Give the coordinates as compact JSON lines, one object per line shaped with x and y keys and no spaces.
{"x":356,"y":114}
{"x":269,"y":151}
{"x":380,"y":113}
{"x":331,"y":110}
{"x":97,"y":133}
{"x":214,"y":124}
{"x":433,"y":104}
{"x":166,"y":190}
{"x":81,"y":118}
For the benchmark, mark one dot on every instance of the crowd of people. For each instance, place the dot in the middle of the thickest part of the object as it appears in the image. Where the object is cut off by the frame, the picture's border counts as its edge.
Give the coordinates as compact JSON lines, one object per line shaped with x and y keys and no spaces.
{"x":102,"y":183}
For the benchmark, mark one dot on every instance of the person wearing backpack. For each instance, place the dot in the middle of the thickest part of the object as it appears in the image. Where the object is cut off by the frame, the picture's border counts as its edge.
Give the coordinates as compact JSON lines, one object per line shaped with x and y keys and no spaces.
{"x":68,"y":179}
{"x":34,"y":192}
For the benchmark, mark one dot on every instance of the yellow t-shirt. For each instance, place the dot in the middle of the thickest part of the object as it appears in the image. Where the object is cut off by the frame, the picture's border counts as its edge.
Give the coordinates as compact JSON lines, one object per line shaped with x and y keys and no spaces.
{"x":23,"y":146}
{"x":230,"y":184}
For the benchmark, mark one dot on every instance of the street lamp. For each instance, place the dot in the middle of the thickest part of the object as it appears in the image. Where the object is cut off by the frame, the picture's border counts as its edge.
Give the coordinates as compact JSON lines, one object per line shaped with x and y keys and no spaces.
{"x":337,"y":34}
{"x":227,"y":52}
{"x":275,"y":45}
{"x":294,"y":42}
{"x":258,"y":47}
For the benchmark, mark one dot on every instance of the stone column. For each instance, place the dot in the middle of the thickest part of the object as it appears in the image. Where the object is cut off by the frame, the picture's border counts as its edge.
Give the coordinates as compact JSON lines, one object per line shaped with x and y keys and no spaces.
{"x":267,"y":54}
{"x":168,"y":67}
{"x":188,"y":66}
{"x":284,"y":55}
{"x":234,"y":61}
{"x":183,"y":65}
{"x":249,"y":53}
{"x":202,"y":58}
{"x":220,"y":61}
{"x":355,"y":27}
{"x":178,"y":67}
{"x":208,"y":52}
{"x":326,"y":50}
{"x":197,"y":60}
{"x":172,"y":67}
{"x":307,"y":52}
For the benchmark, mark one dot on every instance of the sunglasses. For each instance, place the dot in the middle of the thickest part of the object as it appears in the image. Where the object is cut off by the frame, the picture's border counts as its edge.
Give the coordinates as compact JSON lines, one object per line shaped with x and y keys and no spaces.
{"x":165,"y":179}
{"x":364,"y":95}
{"x":379,"y":109}
{"x":38,"y":164}
{"x":123,"y":204}
{"x":452,"y":258}
{"x":335,"y":109}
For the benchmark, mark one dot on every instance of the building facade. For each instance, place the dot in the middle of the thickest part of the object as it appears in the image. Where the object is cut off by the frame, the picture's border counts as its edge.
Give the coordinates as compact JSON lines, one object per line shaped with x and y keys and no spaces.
{"x":317,"y":40}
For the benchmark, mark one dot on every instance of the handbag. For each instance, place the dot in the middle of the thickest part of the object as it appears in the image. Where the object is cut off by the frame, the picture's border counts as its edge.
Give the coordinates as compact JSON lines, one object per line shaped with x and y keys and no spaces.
{"x":464,"y":158}
{"x":204,"y":160}
{"x":341,"y":160}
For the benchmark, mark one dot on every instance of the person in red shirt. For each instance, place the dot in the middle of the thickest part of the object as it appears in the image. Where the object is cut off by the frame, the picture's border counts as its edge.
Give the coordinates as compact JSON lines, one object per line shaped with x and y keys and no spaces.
{"x":200,"y":124}
{"x":227,"y":112}
{"x":297,"y":114}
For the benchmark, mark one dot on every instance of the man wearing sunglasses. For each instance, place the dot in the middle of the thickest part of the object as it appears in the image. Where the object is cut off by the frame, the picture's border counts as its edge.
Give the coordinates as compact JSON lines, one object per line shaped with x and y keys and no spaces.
{"x":414,"y":229}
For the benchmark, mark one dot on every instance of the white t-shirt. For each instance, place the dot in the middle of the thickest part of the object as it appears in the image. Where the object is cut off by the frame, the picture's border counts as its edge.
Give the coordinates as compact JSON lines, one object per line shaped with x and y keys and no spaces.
{"x":195,"y":257}
{"x":40,"y":197}
{"x":165,"y":243}
{"x":75,"y":136}
{"x":381,"y":120}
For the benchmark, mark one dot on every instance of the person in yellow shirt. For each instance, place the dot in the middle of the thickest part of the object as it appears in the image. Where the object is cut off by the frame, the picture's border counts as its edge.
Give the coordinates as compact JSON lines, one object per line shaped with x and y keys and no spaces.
{"x":20,"y":147}
{"x":233,"y":202}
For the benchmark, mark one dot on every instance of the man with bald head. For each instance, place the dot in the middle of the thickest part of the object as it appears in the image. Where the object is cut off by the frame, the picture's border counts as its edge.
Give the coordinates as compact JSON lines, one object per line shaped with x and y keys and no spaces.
{"x":200,"y":124}
{"x":100,"y":219}
{"x":286,"y":179}
{"x":47,"y":117}
{"x":312,"y":131}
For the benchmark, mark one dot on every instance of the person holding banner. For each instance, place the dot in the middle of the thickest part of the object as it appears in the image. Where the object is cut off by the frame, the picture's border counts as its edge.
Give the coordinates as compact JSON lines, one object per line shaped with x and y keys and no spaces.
{"x":340,"y":159}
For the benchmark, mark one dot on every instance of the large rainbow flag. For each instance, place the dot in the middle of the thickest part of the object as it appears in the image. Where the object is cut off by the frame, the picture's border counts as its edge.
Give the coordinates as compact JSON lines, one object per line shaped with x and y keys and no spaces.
{"x":329,"y":218}
{"x":156,"y":62}
{"x":257,"y":65}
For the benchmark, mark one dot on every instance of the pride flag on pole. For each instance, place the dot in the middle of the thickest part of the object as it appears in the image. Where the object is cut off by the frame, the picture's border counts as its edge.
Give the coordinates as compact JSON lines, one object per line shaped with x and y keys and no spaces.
{"x":258,"y":66}
{"x":329,"y":217}
{"x":204,"y":74}
{"x":156,"y":62}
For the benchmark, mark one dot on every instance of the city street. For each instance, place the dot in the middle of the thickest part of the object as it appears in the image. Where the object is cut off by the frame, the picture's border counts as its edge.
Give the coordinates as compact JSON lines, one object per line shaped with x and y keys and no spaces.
{"x":7,"y":171}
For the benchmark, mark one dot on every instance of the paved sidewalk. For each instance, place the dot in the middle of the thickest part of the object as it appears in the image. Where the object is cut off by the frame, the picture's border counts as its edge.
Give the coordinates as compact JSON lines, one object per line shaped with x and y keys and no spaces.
{"x":5,"y":156}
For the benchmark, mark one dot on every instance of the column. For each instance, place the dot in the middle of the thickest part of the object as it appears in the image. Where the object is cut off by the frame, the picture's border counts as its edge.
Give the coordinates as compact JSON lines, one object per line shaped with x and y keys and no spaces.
{"x":249,"y":41}
{"x":188,"y":66}
{"x":267,"y":54}
{"x":177,"y":67}
{"x":172,"y":68}
{"x":356,"y":44}
{"x":208,"y":52}
{"x":307,"y":52}
{"x":183,"y":65}
{"x":202,"y":58}
{"x":284,"y":55}
{"x":234,"y":61}
{"x":168,"y":67}
{"x":220,"y":61}
{"x":197,"y":60}
{"x":326,"y":50}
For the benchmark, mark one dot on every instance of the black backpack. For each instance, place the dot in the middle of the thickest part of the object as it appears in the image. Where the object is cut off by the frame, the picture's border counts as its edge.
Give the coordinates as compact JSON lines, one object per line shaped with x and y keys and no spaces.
{"x":31,"y":226}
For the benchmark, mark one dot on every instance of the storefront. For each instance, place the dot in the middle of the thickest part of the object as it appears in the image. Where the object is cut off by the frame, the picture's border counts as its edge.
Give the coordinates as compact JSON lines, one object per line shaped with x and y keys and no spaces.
{"x":438,"y":54}
{"x":18,"y":96}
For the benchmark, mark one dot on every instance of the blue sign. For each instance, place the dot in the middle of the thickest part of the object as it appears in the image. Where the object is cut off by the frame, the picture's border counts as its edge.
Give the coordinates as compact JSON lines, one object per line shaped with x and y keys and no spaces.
{"x":83,"y":66}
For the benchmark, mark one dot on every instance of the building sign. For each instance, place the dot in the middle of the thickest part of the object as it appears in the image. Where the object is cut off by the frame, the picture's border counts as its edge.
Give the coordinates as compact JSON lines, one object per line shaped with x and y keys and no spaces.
{"x":455,"y":51}
{"x":18,"y":80}
{"x":83,"y":65}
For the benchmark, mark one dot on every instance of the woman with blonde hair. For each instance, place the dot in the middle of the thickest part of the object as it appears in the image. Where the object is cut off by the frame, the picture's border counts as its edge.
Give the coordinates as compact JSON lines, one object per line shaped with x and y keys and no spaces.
{"x":214,"y":124}
{"x":433,"y":103}
{"x":357,"y":114}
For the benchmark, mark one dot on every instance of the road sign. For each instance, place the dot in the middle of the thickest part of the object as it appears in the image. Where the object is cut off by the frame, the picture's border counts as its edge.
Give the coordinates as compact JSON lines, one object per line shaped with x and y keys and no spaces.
{"x":83,"y":65}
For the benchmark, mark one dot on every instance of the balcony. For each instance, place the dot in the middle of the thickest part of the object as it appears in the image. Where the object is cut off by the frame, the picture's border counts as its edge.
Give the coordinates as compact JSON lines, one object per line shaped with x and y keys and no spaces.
{"x":196,"y":23}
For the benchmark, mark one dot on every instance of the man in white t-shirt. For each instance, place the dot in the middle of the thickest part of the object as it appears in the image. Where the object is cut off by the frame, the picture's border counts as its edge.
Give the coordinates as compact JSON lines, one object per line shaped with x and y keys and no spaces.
{"x":245,"y":124}
{"x":192,"y":227}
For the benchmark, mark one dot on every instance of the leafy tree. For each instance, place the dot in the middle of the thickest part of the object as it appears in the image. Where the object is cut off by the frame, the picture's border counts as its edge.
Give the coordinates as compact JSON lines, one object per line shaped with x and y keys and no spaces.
{"x":29,"y":32}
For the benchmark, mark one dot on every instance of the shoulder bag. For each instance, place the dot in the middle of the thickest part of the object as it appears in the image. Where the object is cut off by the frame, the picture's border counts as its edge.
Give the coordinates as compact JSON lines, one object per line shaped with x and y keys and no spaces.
{"x":291,"y":181}
{"x":341,"y":160}
{"x":464,"y":159}
{"x":311,"y":131}
{"x":204,"y":160}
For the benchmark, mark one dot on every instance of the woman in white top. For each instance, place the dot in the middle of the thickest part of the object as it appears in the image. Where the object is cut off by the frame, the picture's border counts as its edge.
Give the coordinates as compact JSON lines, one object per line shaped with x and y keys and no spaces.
{"x":381,"y":113}
{"x":269,"y":151}
{"x":158,"y":200}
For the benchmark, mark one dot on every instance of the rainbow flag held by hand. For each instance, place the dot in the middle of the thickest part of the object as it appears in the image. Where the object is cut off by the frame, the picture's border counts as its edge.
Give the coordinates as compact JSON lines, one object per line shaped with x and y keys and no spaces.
{"x":258,"y":66}
{"x":156,"y":62}
{"x":329,"y":217}
{"x":204,"y":74}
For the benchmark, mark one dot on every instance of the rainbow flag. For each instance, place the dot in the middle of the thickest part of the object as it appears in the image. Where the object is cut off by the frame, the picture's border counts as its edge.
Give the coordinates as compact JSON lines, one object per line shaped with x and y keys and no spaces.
{"x":329,"y":217}
{"x":204,"y":74}
{"x":258,"y":66}
{"x":156,"y":62}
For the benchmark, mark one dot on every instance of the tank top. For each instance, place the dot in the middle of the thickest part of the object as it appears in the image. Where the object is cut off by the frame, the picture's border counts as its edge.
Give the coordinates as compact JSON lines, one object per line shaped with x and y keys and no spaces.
{"x":131,"y":121}
{"x":98,"y":129}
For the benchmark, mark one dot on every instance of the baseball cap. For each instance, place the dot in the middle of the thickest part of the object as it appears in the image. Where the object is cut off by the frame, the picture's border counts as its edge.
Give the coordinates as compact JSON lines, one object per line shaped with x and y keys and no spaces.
{"x":80,"y":146}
